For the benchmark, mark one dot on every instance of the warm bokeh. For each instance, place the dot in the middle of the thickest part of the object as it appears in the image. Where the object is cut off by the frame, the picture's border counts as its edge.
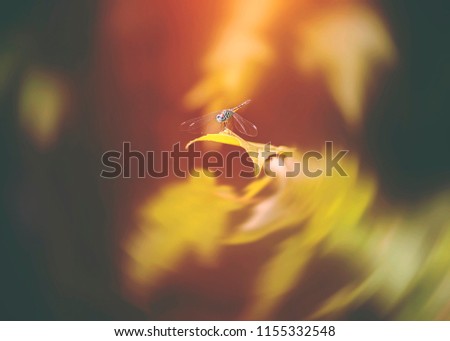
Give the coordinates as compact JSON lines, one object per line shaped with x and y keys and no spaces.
{"x":80,"y":78}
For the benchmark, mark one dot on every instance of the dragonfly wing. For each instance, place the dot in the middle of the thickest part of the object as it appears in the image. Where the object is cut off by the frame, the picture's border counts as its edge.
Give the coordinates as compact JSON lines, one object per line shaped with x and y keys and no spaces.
{"x":203,"y":124}
{"x":244,"y":126}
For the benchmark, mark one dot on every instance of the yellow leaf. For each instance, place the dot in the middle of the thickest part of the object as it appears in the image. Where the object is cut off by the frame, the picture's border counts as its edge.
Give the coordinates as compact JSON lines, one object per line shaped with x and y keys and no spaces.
{"x":258,"y":152}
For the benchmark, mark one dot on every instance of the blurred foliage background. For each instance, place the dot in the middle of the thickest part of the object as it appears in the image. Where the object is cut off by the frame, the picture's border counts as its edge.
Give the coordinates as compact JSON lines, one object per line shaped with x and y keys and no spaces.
{"x":78,"y":78}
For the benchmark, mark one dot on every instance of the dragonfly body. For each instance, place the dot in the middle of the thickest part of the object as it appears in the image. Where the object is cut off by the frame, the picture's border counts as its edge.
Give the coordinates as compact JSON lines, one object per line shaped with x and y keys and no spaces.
{"x":226,"y":118}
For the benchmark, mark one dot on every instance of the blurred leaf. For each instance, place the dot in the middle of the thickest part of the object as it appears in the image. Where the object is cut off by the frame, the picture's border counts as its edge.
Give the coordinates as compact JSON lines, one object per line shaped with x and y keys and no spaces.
{"x":9,"y":59}
{"x":321,"y":205}
{"x":405,"y":262}
{"x":235,"y":64}
{"x":277,"y":277}
{"x":42,"y":107}
{"x":187,"y":217}
{"x":349,"y":46}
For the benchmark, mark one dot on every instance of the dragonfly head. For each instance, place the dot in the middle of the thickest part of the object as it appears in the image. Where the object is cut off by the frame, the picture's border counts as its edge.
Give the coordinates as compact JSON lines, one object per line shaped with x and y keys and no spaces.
{"x":220,"y":118}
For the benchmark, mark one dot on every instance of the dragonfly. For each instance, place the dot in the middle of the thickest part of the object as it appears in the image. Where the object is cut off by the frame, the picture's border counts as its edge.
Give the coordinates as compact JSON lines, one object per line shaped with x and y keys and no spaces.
{"x":224,"y":119}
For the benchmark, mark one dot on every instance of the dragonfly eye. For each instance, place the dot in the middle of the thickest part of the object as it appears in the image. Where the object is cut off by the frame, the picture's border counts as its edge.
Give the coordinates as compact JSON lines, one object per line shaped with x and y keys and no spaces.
{"x":219,"y":118}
